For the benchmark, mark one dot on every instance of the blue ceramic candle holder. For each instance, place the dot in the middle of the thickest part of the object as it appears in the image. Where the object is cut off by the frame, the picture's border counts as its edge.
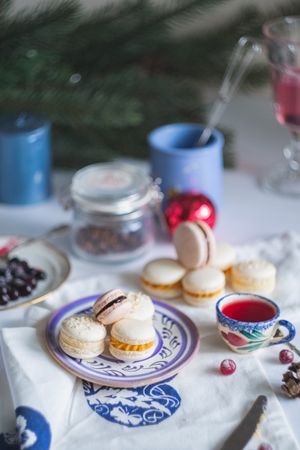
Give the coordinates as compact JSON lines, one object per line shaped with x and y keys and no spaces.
{"x":25,"y":159}
{"x":183,"y":167}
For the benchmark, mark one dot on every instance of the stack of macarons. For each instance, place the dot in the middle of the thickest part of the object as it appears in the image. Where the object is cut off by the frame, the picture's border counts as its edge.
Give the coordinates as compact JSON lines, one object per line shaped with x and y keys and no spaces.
{"x":132,"y":335}
{"x":203,"y":268}
{"x":193,"y":274}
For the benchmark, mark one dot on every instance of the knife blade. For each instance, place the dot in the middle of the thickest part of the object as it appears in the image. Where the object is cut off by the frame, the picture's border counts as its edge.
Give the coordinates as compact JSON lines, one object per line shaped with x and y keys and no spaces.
{"x":247,"y":427}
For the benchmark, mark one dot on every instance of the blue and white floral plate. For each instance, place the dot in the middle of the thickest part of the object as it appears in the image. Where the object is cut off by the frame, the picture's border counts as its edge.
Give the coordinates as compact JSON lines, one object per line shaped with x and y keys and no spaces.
{"x":177,"y":341}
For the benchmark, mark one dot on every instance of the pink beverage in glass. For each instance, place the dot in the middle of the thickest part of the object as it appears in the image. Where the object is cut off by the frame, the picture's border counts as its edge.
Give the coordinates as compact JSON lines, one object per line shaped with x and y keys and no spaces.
{"x":286,"y":88}
{"x":282,"y":42}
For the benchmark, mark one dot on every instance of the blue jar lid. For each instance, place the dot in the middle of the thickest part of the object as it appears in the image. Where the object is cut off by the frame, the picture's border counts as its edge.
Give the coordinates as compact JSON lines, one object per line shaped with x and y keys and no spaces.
{"x":18,"y":123}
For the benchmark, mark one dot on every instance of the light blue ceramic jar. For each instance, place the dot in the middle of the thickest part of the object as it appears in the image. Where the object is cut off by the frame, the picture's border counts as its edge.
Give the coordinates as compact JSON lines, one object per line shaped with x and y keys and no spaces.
{"x":181,"y":166}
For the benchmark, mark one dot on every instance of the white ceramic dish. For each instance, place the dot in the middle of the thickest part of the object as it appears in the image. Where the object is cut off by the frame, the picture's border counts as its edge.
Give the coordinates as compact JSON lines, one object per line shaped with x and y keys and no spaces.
{"x":41,"y":255}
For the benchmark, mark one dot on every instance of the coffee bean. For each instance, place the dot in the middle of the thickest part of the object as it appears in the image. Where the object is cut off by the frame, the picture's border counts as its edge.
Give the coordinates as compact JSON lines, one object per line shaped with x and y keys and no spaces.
{"x":104,"y":240}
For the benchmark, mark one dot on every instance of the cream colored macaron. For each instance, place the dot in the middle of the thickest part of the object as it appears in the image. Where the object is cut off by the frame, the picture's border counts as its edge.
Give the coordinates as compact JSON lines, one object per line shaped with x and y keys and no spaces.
{"x":142,"y":307}
{"x":195,"y":244}
{"x":132,"y":340}
{"x":82,"y":337}
{"x":203,"y":286}
{"x":162,"y":278}
{"x":225,"y":257}
{"x":257,"y":277}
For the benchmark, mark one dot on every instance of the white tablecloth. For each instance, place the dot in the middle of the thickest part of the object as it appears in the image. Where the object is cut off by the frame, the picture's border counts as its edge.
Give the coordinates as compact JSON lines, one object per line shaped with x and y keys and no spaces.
{"x":248,"y":214}
{"x":77,"y":415}
{"x":240,"y":221}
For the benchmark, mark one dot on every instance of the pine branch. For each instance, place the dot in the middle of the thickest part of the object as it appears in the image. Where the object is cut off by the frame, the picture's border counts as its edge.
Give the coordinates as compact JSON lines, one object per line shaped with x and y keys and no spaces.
{"x":177,"y":55}
{"x":199,"y":9}
{"x":43,"y":27}
{"x":133,"y":75}
{"x":108,"y":13}
{"x":5,"y":6}
{"x":127,"y":41}
{"x":84,"y":108}
{"x":90,"y":148}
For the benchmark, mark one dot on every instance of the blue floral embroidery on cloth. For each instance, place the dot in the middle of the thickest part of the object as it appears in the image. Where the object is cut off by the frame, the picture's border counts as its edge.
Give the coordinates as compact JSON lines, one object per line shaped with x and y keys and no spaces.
{"x":32,"y":432}
{"x":134,"y":407}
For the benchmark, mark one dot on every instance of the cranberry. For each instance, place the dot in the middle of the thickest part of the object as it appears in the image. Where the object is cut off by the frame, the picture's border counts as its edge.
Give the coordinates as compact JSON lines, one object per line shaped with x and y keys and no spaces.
{"x":286,"y":356}
{"x":227,"y":367}
{"x":265,"y":446}
{"x":4,"y":299}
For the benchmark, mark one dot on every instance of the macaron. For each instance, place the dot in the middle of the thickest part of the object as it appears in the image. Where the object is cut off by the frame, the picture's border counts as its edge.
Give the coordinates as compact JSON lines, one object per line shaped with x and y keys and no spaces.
{"x":257,"y":277}
{"x":111,"y":306}
{"x":162,"y":278}
{"x":132,"y":340}
{"x":225,"y":257}
{"x":195,"y":244}
{"x":142,"y":307}
{"x":203,"y":286}
{"x":81,"y":336}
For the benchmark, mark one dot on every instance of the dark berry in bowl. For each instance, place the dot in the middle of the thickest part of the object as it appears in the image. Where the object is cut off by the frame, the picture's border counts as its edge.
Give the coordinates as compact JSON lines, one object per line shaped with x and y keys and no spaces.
{"x":33,"y":272}
{"x":21,"y":285}
{"x":13,"y":293}
{"x":41,"y":275}
{"x":13,"y":261}
{"x":8,"y":274}
{"x":3,"y":289}
{"x":30,"y":281}
{"x":24,"y":265}
{"x":4,"y":299}
{"x":18,"y":279}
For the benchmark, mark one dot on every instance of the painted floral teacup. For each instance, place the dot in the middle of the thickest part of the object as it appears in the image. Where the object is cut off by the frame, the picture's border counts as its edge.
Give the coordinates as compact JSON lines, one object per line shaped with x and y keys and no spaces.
{"x":248,"y":322}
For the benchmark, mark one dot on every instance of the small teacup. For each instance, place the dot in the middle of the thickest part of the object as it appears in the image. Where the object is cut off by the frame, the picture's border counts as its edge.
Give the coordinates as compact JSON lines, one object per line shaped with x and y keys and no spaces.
{"x":248,"y":322}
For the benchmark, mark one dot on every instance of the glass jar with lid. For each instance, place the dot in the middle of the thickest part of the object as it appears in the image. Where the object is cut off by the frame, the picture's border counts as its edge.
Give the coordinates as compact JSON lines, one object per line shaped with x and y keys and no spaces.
{"x":113,"y":212}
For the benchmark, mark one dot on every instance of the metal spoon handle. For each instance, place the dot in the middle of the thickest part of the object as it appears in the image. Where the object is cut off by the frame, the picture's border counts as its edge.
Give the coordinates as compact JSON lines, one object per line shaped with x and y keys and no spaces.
{"x":50,"y":233}
{"x":241,"y":57}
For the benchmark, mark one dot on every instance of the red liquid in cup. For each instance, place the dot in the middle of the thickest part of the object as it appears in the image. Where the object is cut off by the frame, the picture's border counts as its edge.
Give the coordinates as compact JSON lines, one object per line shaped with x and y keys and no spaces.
{"x":287,"y":98}
{"x":249,"y":311}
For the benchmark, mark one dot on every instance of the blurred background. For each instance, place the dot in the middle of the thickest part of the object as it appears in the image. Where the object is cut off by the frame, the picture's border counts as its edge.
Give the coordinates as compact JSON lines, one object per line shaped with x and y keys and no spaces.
{"x":107,"y":72}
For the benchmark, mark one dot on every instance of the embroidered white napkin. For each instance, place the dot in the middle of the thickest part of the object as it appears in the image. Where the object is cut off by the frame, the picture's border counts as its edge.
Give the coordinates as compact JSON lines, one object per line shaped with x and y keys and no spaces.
{"x":198,"y":408}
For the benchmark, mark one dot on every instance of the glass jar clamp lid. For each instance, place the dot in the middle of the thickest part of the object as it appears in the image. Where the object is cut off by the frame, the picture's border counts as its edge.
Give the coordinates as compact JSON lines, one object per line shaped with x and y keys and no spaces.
{"x":113,"y":188}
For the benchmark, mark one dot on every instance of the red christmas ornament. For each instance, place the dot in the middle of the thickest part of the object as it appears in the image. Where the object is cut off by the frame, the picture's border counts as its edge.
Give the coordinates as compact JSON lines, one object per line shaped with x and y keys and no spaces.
{"x":189,"y":206}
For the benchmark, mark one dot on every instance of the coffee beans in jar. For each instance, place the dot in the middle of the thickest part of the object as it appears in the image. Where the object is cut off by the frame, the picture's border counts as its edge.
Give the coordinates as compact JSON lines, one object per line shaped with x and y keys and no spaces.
{"x":113,"y":212}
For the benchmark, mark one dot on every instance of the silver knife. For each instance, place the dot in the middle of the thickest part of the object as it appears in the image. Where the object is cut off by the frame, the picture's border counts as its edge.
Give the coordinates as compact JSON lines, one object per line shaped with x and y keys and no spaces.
{"x":247,"y":427}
